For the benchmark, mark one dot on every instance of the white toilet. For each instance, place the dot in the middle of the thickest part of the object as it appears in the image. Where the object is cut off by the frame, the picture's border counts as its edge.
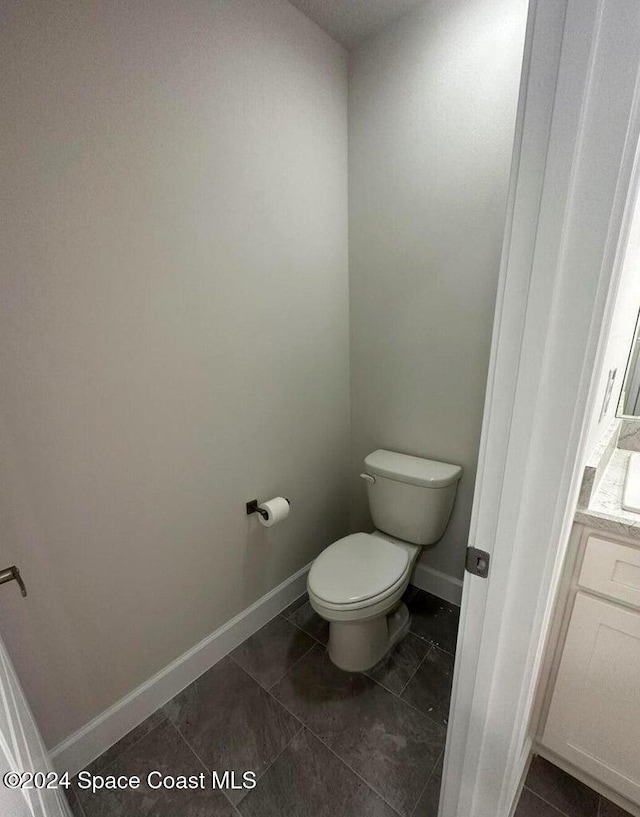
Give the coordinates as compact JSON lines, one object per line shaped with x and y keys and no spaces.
{"x":356,"y":583}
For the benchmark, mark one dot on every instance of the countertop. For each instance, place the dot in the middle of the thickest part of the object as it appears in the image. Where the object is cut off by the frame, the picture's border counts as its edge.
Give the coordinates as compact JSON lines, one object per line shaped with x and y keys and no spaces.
{"x":605,"y":511}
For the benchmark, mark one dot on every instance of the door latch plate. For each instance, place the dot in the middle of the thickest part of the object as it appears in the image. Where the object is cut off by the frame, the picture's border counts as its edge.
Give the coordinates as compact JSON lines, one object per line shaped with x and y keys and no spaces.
{"x":478,"y":562}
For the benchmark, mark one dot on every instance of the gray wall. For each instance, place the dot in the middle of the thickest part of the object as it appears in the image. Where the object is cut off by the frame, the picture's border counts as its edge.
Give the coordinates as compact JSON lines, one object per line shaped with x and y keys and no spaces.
{"x":173,"y":327}
{"x":432,"y":104}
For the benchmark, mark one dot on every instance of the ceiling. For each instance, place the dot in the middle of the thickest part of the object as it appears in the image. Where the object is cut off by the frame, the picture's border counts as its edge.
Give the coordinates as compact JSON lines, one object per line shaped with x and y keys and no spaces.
{"x":350,"y":22}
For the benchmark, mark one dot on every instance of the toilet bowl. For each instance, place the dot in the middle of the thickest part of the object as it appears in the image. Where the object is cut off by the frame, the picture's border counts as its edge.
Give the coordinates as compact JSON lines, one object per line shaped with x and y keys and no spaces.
{"x":357,"y":583}
{"x":354,"y":584}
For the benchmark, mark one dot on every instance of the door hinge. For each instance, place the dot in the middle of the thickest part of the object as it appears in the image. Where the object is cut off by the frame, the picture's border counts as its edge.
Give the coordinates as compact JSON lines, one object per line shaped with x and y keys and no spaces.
{"x":478,"y":562}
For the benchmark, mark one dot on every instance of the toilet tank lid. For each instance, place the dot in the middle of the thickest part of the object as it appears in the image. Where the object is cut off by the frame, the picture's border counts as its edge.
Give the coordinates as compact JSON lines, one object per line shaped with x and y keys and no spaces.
{"x":412,"y":470}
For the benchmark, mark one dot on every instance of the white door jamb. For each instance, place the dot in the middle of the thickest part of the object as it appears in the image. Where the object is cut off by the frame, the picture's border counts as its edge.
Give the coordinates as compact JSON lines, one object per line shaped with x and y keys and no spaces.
{"x":571,"y":196}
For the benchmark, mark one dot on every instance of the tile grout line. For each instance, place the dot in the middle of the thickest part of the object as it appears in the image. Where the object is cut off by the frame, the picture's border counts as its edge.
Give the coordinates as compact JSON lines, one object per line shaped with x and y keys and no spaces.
{"x":78,"y":803}
{"x":421,"y":637}
{"x":353,"y":771}
{"x":257,"y":680}
{"x":286,"y":672}
{"x":190,"y":747}
{"x":417,"y":635}
{"x":203,"y":764}
{"x":408,"y":703}
{"x":275,"y":759}
{"x":426,"y":715}
{"x":554,"y":807}
{"x":303,"y":598}
{"x":377,"y":683}
{"x":335,"y":754}
{"x":424,"y":788}
{"x":295,"y":664}
{"x":415,"y":672}
{"x":433,"y":644}
{"x":126,"y":751}
{"x":297,"y":607}
{"x":396,"y":695}
{"x":302,"y":726}
{"x":306,"y":632}
{"x":295,"y":610}
{"x":166,"y":718}
{"x":269,"y":765}
{"x":293,"y":624}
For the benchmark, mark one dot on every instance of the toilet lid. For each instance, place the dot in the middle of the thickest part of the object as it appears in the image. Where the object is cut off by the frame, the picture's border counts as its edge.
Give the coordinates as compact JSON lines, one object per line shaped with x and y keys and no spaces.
{"x":356,"y":568}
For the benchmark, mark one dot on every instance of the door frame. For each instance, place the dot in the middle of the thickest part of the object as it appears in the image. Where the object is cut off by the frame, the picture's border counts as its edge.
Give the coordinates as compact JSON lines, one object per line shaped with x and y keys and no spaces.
{"x":577,"y":129}
{"x":22,"y":750}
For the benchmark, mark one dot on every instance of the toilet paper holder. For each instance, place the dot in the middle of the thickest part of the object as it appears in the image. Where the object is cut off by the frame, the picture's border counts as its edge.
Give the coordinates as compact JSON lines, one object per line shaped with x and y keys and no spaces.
{"x":252,"y":507}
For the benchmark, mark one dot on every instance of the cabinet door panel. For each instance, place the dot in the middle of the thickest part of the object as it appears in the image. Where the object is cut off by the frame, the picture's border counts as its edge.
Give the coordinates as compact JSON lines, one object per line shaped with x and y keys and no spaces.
{"x":612,"y":569}
{"x":594,"y":718}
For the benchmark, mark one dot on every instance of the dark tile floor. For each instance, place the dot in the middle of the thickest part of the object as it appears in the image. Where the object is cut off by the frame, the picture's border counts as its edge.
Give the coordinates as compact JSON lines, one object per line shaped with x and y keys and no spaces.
{"x":322,"y":742}
{"x":551,"y":792}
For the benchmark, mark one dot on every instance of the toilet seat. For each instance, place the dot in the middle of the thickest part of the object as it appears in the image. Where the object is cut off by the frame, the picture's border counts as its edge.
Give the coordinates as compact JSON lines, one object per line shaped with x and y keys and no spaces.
{"x":358,"y":571}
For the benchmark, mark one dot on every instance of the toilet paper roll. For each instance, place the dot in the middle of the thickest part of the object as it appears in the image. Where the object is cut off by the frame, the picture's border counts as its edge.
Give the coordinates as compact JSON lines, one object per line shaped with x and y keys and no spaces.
{"x":277,"y":509}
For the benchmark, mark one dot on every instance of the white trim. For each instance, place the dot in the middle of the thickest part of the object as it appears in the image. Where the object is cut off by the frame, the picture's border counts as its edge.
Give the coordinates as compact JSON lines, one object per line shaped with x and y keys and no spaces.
{"x":439,"y":584}
{"x":524,"y":765}
{"x":577,"y":135}
{"x":533,"y":124}
{"x":89,"y":742}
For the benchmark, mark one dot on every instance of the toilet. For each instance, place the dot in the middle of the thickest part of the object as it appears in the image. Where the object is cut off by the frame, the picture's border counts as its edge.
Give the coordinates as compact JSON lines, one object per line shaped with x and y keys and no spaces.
{"x":356,"y":584}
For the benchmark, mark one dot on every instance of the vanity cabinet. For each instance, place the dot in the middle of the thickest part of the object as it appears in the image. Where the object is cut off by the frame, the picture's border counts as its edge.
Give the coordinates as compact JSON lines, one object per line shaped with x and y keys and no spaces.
{"x":593,"y":717}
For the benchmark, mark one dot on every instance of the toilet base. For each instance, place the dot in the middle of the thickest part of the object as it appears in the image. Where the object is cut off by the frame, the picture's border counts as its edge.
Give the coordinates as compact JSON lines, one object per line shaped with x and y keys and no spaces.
{"x":398,"y":623}
{"x":356,"y":646}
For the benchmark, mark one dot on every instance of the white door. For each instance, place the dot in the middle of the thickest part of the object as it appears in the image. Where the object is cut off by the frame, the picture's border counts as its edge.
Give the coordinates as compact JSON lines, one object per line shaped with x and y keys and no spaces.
{"x":22,"y":752}
{"x":572,"y":186}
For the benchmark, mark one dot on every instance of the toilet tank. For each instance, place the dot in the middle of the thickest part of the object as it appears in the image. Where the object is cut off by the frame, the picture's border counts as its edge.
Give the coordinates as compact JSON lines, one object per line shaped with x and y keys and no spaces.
{"x":410,"y":498}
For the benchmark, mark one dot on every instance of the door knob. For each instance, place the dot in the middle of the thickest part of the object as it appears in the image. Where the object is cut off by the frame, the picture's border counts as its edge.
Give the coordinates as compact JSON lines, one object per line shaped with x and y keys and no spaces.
{"x":10,"y":574}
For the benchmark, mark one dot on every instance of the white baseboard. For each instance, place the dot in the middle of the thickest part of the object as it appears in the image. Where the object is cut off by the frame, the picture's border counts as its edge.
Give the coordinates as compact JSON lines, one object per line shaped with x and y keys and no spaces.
{"x":439,"y":584}
{"x":89,"y":742}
